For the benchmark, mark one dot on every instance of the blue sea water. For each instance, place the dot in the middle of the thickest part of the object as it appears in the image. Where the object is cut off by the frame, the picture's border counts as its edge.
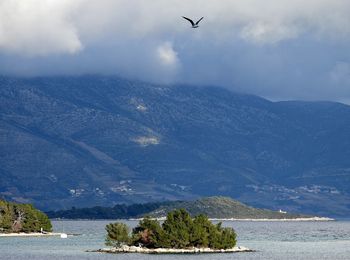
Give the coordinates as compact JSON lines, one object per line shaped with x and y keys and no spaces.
{"x":272,"y":240}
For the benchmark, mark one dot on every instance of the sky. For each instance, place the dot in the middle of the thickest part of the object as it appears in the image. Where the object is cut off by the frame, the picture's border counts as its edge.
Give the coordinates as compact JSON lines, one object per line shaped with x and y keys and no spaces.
{"x":278,"y":49}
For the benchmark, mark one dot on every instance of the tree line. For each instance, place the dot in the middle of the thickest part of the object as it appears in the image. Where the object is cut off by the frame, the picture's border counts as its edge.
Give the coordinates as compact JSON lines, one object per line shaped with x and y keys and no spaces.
{"x":179,"y":230}
{"x":120,"y":211}
{"x":16,"y":218}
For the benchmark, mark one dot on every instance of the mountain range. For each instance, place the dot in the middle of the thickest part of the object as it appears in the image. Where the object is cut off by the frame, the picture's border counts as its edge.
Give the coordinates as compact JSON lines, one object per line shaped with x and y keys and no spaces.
{"x":98,"y":140}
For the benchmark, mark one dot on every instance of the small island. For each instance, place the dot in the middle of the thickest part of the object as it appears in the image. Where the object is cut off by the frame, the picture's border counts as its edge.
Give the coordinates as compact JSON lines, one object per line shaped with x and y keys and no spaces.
{"x":178,"y":234}
{"x":23,"y":220}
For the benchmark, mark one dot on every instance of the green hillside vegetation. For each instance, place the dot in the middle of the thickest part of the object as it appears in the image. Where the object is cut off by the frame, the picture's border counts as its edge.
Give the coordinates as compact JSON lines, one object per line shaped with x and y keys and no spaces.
{"x":16,"y":218}
{"x":222,"y":208}
{"x":179,"y":231}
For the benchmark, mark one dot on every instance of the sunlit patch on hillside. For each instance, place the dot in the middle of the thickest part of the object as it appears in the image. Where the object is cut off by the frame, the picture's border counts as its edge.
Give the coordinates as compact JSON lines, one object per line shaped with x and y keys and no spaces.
{"x":147,"y":140}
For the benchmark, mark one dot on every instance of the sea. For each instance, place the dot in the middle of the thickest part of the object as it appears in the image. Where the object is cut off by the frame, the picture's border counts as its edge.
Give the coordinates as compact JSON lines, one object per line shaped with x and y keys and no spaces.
{"x":271,"y":240}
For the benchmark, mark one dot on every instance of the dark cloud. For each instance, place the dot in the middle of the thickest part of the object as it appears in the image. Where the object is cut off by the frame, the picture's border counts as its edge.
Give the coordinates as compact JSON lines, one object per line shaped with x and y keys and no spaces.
{"x":277,"y":49}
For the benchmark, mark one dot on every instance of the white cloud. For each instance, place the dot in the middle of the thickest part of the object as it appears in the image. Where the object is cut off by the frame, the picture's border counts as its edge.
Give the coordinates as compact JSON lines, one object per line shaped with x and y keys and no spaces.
{"x":36,"y":27}
{"x":39,"y":27}
{"x":274,"y":48}
{"x":167,"y":55}
{"x":263,"y":33}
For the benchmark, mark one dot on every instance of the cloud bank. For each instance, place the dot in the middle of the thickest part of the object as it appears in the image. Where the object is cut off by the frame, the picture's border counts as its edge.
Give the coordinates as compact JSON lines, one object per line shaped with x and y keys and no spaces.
{"x":30,"y":28}
{"x":275,"y":48}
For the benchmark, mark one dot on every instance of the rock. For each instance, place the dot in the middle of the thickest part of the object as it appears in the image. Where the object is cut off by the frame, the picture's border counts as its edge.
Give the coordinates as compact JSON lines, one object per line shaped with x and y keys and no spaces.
{"x":143,"y":250}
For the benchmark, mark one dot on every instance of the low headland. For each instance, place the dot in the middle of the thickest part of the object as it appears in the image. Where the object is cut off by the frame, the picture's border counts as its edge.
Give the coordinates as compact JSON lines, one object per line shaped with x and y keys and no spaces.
{"x":216,"y":208}
{"x":23,"y":220}
{"x":178,"y":234}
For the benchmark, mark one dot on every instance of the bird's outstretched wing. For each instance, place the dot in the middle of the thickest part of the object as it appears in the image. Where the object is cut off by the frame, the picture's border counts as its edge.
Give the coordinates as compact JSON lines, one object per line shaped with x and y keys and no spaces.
{"x":199,"y":21}
{"x":188,"y":19}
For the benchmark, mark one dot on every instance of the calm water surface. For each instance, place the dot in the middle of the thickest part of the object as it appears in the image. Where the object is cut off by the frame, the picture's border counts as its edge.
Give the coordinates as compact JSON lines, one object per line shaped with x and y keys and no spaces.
{"x":272,"y":240}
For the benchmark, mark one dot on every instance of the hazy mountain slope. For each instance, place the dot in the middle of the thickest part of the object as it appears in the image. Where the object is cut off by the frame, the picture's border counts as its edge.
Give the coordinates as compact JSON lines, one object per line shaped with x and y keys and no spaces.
{"x":88,"y":141}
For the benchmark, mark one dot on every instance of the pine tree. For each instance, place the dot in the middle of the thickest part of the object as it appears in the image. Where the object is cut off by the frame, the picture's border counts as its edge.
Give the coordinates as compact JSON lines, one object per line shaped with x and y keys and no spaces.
{"x":199,"y":233}
{"x":6,"y":216}
{"x":228,"y":238}
{"x":44,"y":221}
{"x":177,"y":228}
{"x":149,"y":233}
{"x":214,"y":233}
{"x":117,"y":234}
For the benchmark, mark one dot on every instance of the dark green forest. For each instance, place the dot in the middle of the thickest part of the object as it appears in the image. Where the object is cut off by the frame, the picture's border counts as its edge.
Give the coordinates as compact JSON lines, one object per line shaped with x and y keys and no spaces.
{"x":120,"y":211}
{"x":16,"y":218}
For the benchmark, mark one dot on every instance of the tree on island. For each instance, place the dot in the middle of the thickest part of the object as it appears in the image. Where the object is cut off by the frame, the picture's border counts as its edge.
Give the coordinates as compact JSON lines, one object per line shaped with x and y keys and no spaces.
{"x":22,"y":218}
{"x":117,"y":234}
{"x":149,"y":233}
{"x":179,"y":230}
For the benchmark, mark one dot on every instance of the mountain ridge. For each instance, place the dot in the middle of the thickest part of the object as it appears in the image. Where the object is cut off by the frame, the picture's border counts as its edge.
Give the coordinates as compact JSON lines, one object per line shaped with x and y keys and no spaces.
{"x":93,"y":140}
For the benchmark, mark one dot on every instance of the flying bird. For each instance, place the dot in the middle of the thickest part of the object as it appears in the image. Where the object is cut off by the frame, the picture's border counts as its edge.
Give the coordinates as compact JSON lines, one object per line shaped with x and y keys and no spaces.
{"x":194,"y":25}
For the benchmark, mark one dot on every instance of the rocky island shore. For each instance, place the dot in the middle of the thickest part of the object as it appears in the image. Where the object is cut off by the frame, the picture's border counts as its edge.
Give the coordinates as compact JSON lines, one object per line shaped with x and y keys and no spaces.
{"x":193,"y":250}
{"x":257,"y":219}
{"x":274,"y":219}
{"x":33,"y":234}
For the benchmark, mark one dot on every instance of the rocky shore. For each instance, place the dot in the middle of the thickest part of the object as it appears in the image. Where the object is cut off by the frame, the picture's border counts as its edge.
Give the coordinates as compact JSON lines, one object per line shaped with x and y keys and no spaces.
{"x":275,"y":220}
{"x":255,"y":219}
{"x":143,"y":250}
{"x":38,"y":234}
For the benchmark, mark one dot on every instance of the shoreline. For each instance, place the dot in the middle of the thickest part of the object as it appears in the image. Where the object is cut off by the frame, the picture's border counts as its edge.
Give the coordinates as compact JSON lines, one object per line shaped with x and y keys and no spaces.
{"x":142,"y":250}
{"x":325,"y":219}
{"x":256,"y":219}
{"x":34,"y":234}
{"x":277,"y":219}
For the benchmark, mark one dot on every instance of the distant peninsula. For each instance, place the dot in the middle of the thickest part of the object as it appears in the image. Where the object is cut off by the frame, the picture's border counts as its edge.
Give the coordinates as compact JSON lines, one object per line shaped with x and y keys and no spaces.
{"x":220,"y":208}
